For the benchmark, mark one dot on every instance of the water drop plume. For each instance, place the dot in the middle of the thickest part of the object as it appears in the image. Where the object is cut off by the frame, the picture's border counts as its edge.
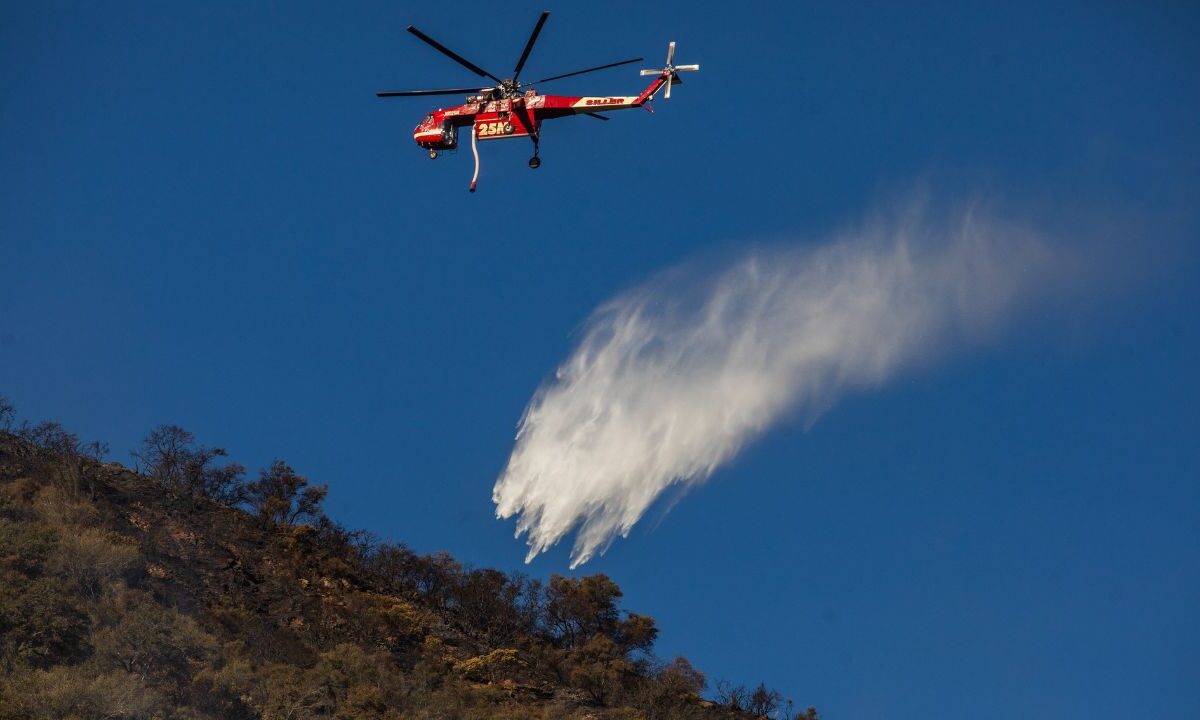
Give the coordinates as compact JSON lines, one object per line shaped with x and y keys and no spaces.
{"x":672,"y":378}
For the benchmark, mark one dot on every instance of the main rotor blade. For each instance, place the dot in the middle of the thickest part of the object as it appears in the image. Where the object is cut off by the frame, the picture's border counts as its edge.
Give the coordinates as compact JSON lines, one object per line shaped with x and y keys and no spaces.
{"x":407,"y":93}
{"x":598,"y":116}
{"x":451,"y":54}
{"x":580,"y":72}
{"x":529,"y":45}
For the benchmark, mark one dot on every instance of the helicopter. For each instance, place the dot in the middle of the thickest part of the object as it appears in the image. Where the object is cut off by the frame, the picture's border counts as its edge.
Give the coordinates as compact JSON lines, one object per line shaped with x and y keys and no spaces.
{"x":513,"y":109}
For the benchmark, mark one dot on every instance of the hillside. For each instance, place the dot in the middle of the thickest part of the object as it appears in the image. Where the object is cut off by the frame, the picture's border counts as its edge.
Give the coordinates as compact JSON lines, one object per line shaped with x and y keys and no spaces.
{"x":187,"y":591}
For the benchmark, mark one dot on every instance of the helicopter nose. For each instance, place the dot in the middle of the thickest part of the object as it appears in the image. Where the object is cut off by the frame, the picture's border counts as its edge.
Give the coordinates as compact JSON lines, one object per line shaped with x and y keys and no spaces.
{"x":425,"y":135}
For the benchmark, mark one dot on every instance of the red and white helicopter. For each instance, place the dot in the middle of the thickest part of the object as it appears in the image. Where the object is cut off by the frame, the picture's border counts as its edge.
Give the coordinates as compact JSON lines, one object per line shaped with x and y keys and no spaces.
{"x":512,"y":109}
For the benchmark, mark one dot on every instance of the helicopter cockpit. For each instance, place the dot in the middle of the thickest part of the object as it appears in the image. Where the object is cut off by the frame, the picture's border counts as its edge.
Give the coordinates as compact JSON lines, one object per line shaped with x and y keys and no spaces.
{"x":432,"y":136}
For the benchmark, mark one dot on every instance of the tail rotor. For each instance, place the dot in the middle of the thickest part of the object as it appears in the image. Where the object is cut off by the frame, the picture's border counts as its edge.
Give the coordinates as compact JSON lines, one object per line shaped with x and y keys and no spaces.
{"x":671,"y":72}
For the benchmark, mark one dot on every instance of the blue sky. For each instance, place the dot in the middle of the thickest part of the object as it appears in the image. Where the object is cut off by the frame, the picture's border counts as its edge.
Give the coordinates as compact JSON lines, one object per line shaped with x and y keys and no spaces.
{"x":207,"y":218}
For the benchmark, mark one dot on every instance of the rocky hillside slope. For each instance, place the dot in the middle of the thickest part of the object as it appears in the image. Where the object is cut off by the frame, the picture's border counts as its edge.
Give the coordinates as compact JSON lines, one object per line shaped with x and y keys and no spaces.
{"x":186,"y":591}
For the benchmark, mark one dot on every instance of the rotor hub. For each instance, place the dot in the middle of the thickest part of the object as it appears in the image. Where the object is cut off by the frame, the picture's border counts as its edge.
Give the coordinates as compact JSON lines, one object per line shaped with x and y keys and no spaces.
{"x":504,"y":89}
{"x":507,"y":88}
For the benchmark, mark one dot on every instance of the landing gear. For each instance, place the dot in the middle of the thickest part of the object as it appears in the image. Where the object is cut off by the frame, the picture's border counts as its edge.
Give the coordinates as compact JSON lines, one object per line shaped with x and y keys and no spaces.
{"x":535,"y":162}
{"x":432,"y":154}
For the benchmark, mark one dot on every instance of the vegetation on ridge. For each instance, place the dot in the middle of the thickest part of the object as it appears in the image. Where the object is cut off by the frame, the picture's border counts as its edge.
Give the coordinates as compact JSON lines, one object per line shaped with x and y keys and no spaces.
{"x":186,"y":590}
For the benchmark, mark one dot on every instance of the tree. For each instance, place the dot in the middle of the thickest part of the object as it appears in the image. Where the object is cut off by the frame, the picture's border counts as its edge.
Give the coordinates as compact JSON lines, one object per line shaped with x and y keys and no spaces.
{"x":735,"y":697}
{"x":672,"y":691}
{"x":164,"y":454}
{"x":153,"y":643}
{"x":496,"y":607}
{"x":636,"y":633}
{"x":92,"y":558}
{"x":61,"y":457}
{"x":578,"y":608}
{"x":790,"y":713}
{"x":763,"y":701}
{"x":281,"y":497}
{"x":7,"y":414}
{"x":51,"y":437}
{"x":170,"y":455}
{"x":599,"y":667}
{"x":680,"y":677}
{"x":393,"y":567}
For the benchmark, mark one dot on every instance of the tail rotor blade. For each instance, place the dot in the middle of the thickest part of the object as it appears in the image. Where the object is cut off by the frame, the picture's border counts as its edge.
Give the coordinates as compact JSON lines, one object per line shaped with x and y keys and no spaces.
{"x":670,"y":72}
